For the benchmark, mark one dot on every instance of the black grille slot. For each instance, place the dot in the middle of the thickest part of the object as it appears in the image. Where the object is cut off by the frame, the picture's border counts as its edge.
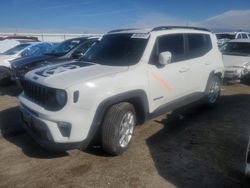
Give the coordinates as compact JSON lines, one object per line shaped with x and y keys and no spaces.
{"x":35,"y":92}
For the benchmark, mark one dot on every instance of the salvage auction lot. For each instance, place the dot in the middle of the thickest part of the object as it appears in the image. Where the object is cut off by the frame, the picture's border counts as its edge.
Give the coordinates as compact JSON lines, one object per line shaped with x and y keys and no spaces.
{"x":192,"y":147}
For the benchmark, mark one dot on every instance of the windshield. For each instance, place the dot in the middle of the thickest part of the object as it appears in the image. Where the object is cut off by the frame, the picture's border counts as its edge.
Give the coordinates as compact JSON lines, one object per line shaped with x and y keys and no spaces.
{"x":38,"y":49}
{"x":225,"y":36}
{"x":16,"y":49}
{"x":236,"y":48}
{"x":65,"y":47}
{"x":117,"y":50}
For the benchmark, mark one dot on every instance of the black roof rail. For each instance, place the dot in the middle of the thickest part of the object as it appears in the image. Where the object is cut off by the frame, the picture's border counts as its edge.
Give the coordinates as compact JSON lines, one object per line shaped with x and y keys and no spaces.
{"x":178,"y":27}
{"x":119,"y":30}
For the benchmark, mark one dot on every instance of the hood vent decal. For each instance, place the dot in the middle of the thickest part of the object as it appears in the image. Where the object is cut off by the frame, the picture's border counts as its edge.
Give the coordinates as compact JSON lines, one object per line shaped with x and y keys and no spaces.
{"x":49,"y":71}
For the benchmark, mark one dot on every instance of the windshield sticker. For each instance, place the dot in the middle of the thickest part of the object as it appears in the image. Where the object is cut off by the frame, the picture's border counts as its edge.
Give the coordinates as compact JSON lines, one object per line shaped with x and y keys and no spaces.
{"x":140,"y":36}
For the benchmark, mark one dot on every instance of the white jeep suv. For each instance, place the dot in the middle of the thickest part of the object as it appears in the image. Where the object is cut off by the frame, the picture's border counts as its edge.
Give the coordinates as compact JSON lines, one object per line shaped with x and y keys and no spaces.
{"x":126,"y":78}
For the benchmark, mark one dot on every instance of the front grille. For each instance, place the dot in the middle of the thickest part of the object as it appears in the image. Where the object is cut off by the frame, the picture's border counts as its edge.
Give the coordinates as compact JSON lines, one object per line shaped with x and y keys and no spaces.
{"x":35,"y":92}
{"x":229,"y":72}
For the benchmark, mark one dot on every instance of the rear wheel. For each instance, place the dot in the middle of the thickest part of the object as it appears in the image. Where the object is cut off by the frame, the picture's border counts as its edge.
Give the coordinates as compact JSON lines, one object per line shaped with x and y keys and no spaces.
{"x":4,"y":76}
{"x":213,"y":91}
{"x":118,"y":128}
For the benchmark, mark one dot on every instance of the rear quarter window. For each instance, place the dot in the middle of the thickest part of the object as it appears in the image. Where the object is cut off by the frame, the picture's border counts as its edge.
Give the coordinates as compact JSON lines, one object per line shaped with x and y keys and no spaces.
{"x":244,"y":36}
{"x":198,"y":45}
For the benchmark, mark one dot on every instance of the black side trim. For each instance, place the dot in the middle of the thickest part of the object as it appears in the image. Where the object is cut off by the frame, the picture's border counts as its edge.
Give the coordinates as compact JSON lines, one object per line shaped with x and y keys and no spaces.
{"x":173,"y":105}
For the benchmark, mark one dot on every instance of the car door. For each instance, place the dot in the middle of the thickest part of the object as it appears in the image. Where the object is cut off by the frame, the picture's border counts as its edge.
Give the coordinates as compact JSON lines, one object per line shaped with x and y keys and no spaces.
{"x":171,"y":81}
{"x":199,"y":59}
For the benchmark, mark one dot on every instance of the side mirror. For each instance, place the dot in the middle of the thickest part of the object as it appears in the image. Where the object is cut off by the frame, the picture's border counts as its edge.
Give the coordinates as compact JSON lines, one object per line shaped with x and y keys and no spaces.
{"x":165,"y":58}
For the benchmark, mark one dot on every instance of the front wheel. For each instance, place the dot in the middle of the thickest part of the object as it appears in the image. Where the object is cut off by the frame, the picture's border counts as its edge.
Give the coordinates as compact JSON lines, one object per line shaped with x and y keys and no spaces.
{"x":118,"y":128}
{"x":213,"y":91}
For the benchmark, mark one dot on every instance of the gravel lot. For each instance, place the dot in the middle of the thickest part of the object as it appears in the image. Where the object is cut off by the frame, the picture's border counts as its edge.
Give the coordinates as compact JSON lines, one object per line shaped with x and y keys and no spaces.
{"x":191,"y":147}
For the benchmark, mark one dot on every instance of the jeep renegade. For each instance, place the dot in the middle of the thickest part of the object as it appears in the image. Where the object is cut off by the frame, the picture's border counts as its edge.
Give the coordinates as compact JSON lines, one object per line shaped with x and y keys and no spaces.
{"x":126,"y":78}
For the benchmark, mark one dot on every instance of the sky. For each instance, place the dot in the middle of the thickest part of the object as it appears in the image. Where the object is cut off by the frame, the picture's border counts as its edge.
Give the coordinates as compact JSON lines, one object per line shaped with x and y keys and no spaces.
{"x":97,"y":16}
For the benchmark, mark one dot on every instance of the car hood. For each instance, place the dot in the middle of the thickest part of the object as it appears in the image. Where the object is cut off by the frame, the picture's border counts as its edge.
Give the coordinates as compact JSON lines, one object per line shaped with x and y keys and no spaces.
{"x":6,"y":57}
{"x":28,"y":61}
{"x":65,"y":75}
{"x":235,"y":61}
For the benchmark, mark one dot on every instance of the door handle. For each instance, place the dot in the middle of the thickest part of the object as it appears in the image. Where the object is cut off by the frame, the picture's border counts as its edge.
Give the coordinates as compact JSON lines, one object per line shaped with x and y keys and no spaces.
{"x":184,"y":69}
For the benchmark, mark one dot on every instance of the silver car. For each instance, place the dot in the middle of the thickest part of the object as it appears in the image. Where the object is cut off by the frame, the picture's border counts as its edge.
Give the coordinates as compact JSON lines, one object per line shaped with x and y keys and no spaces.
{"x":236,"y":58}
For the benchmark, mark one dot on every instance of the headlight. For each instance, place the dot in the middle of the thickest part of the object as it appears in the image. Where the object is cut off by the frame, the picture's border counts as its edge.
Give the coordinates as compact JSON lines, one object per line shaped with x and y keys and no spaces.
{"x":246,"y":65}
{"x":61,"y":97}
{"x":56,"y":99}
{"x":246,"y":68}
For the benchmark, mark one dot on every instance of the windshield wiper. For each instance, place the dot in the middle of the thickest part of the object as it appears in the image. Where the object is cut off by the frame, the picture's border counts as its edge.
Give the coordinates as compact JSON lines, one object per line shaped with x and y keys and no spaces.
{"x":86,"y":60}
{"x":54,"y":54}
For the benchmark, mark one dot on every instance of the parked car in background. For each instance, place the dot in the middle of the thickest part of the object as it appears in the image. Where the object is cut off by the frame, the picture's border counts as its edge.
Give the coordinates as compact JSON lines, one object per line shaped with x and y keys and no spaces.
{"x":19,"y":38}
{"x":7,"y":44}
{"x":127,"y":77}
{"x":20,"y":51}
{"x":68,"y":50}
{"x":236,"y":58}
{"x":227,"y":36}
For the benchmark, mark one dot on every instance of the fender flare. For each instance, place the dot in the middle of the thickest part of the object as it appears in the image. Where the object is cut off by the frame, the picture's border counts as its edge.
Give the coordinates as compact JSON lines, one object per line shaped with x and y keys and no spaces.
{"x":211,"y":75}
{"x":136,"y":97}
{"x":218,"y":73}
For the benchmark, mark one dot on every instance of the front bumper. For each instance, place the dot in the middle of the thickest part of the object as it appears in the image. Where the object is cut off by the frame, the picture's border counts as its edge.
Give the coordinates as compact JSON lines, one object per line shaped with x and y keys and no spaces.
{"x":232,"y":75}
{"x":236,"y":73}
{"x":39,"y":130}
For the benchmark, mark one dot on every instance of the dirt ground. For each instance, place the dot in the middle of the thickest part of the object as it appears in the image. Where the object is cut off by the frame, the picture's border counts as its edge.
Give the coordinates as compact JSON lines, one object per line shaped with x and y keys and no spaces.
{"x":192,"y":147}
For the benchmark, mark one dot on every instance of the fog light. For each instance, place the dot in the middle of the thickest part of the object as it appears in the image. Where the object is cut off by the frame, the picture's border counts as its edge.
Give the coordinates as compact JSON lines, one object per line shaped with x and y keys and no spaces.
{"x":49,"y":137}
{"x":65,"y":128}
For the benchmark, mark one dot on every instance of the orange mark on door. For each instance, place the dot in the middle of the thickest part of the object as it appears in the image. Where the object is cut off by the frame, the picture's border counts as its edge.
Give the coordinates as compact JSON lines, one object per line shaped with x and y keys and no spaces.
{"x":163,"y":82}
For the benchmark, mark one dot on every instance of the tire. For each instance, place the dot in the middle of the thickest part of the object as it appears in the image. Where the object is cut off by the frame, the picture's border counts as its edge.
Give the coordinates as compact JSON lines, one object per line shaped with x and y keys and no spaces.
{"x":245,"y":80}
{"x":4,"y":76}
{"x":213,"y":91}
{"x":117,"y":128}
